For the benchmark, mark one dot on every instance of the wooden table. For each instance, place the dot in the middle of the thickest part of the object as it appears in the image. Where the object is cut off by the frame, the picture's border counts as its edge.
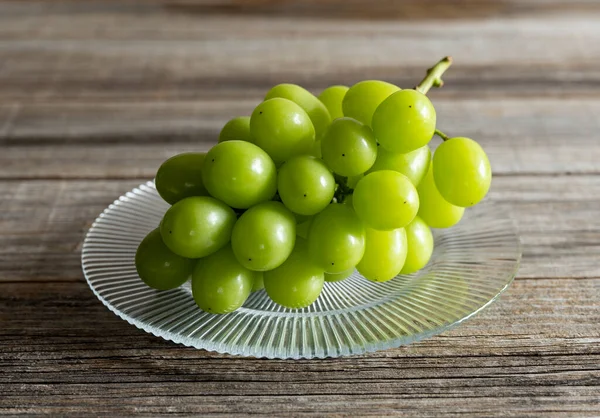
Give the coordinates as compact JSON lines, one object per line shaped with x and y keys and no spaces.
{"x":94,"y":95}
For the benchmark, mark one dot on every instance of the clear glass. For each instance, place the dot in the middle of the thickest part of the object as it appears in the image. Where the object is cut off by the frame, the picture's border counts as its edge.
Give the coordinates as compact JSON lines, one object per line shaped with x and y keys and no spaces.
{"x":472,"y":264}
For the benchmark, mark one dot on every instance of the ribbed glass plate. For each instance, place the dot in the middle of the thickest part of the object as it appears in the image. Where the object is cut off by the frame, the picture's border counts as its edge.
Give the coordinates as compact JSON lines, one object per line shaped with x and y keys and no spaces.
{"x":472,"y":264}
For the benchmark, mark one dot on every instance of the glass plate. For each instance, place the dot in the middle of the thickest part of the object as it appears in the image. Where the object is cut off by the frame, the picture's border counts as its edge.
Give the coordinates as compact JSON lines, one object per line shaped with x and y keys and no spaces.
{"x":472,"y":264}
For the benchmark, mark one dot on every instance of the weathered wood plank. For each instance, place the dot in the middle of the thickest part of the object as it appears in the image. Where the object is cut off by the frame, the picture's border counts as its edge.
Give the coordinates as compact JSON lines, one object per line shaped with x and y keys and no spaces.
{"x":121,"y":140}
{"x":142,"y":51}
{"x":99,"y":93}
{"x":549,"y":351}
{"x":42,"y":224}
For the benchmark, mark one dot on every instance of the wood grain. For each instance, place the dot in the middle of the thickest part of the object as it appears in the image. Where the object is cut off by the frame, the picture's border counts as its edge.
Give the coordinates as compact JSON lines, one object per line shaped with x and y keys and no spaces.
{"x":139,"y":372}
{"x":95,"y":95}
{"x":91,"y":140}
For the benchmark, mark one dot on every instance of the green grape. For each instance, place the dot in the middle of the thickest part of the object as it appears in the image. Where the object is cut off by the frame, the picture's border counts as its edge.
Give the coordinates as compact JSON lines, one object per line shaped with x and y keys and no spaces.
{"x":433,"y":208}
{"x":332,"y":97}
{"x":420,"y":246}
{"x":385,"y":200}
{"x":404,"y":122}
{"x":364,"y":97}
{"x":336,"y":239}
{"x":240,"y":174}
{"x":462,"y":171}
{"x":385,"y":253}
{"x":220,"y":284}
{"x":316,"y":149}
{"x":303,"y":228}
{"x":197,"y":226}
{"x":158,"y":266}
{"x":349,"y":147}
{"x":301,"y":218}
{"x":305,"y":185}
{"x":259,"y":281}
{"x":353,"y":180}
{"x":338,"y":277}
{"x":180,"y":177}
{"x":282,"y":128}
{"x":316,"y":110}
{"x":237,"y":129}
{"x":264,"y":236}
{"x":413,"y":164}
{"x":297,"y":283}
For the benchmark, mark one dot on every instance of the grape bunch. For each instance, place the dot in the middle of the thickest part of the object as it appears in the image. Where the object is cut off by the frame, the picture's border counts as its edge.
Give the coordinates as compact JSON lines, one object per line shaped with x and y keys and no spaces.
{"x":309,"y":189}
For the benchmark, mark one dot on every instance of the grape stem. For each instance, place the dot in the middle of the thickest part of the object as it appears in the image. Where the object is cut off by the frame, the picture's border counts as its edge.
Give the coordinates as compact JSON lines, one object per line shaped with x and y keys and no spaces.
{"x":434,"y":75}
{"x":442,"y":135}
{"x":342,"y":190}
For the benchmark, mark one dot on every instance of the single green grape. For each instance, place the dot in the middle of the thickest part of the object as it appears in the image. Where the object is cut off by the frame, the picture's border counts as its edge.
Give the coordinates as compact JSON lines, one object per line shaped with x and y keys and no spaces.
{"x":336,"y":239}
{"x":404,"y":122}
{"x":316,"y":110}
{"x":159,"y":267}
{"x":363,"y":98}
{"x":305,"y":185}
{"x":297,"y":283}
{"x":385,"y":254}
{"x":282,"y":128}
{"x":420,"y":246}
{"x":303,"y":228}
{"x":259,"y":281}
{"x":237,"y":129}
{"x":349,"y":147}
{"x":385,"y":200}
{"x":433,"y":208}
{"x":195,"y":227}
{"x":240,"y":174}
{"x":462,"y":171}
{"x":180,"y":177}
{"x":338,"y":277}
{"x":220,"y":284}
{"x":264,"y":236}
{"x":413,"y":164}
{"x":332,"y":97}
